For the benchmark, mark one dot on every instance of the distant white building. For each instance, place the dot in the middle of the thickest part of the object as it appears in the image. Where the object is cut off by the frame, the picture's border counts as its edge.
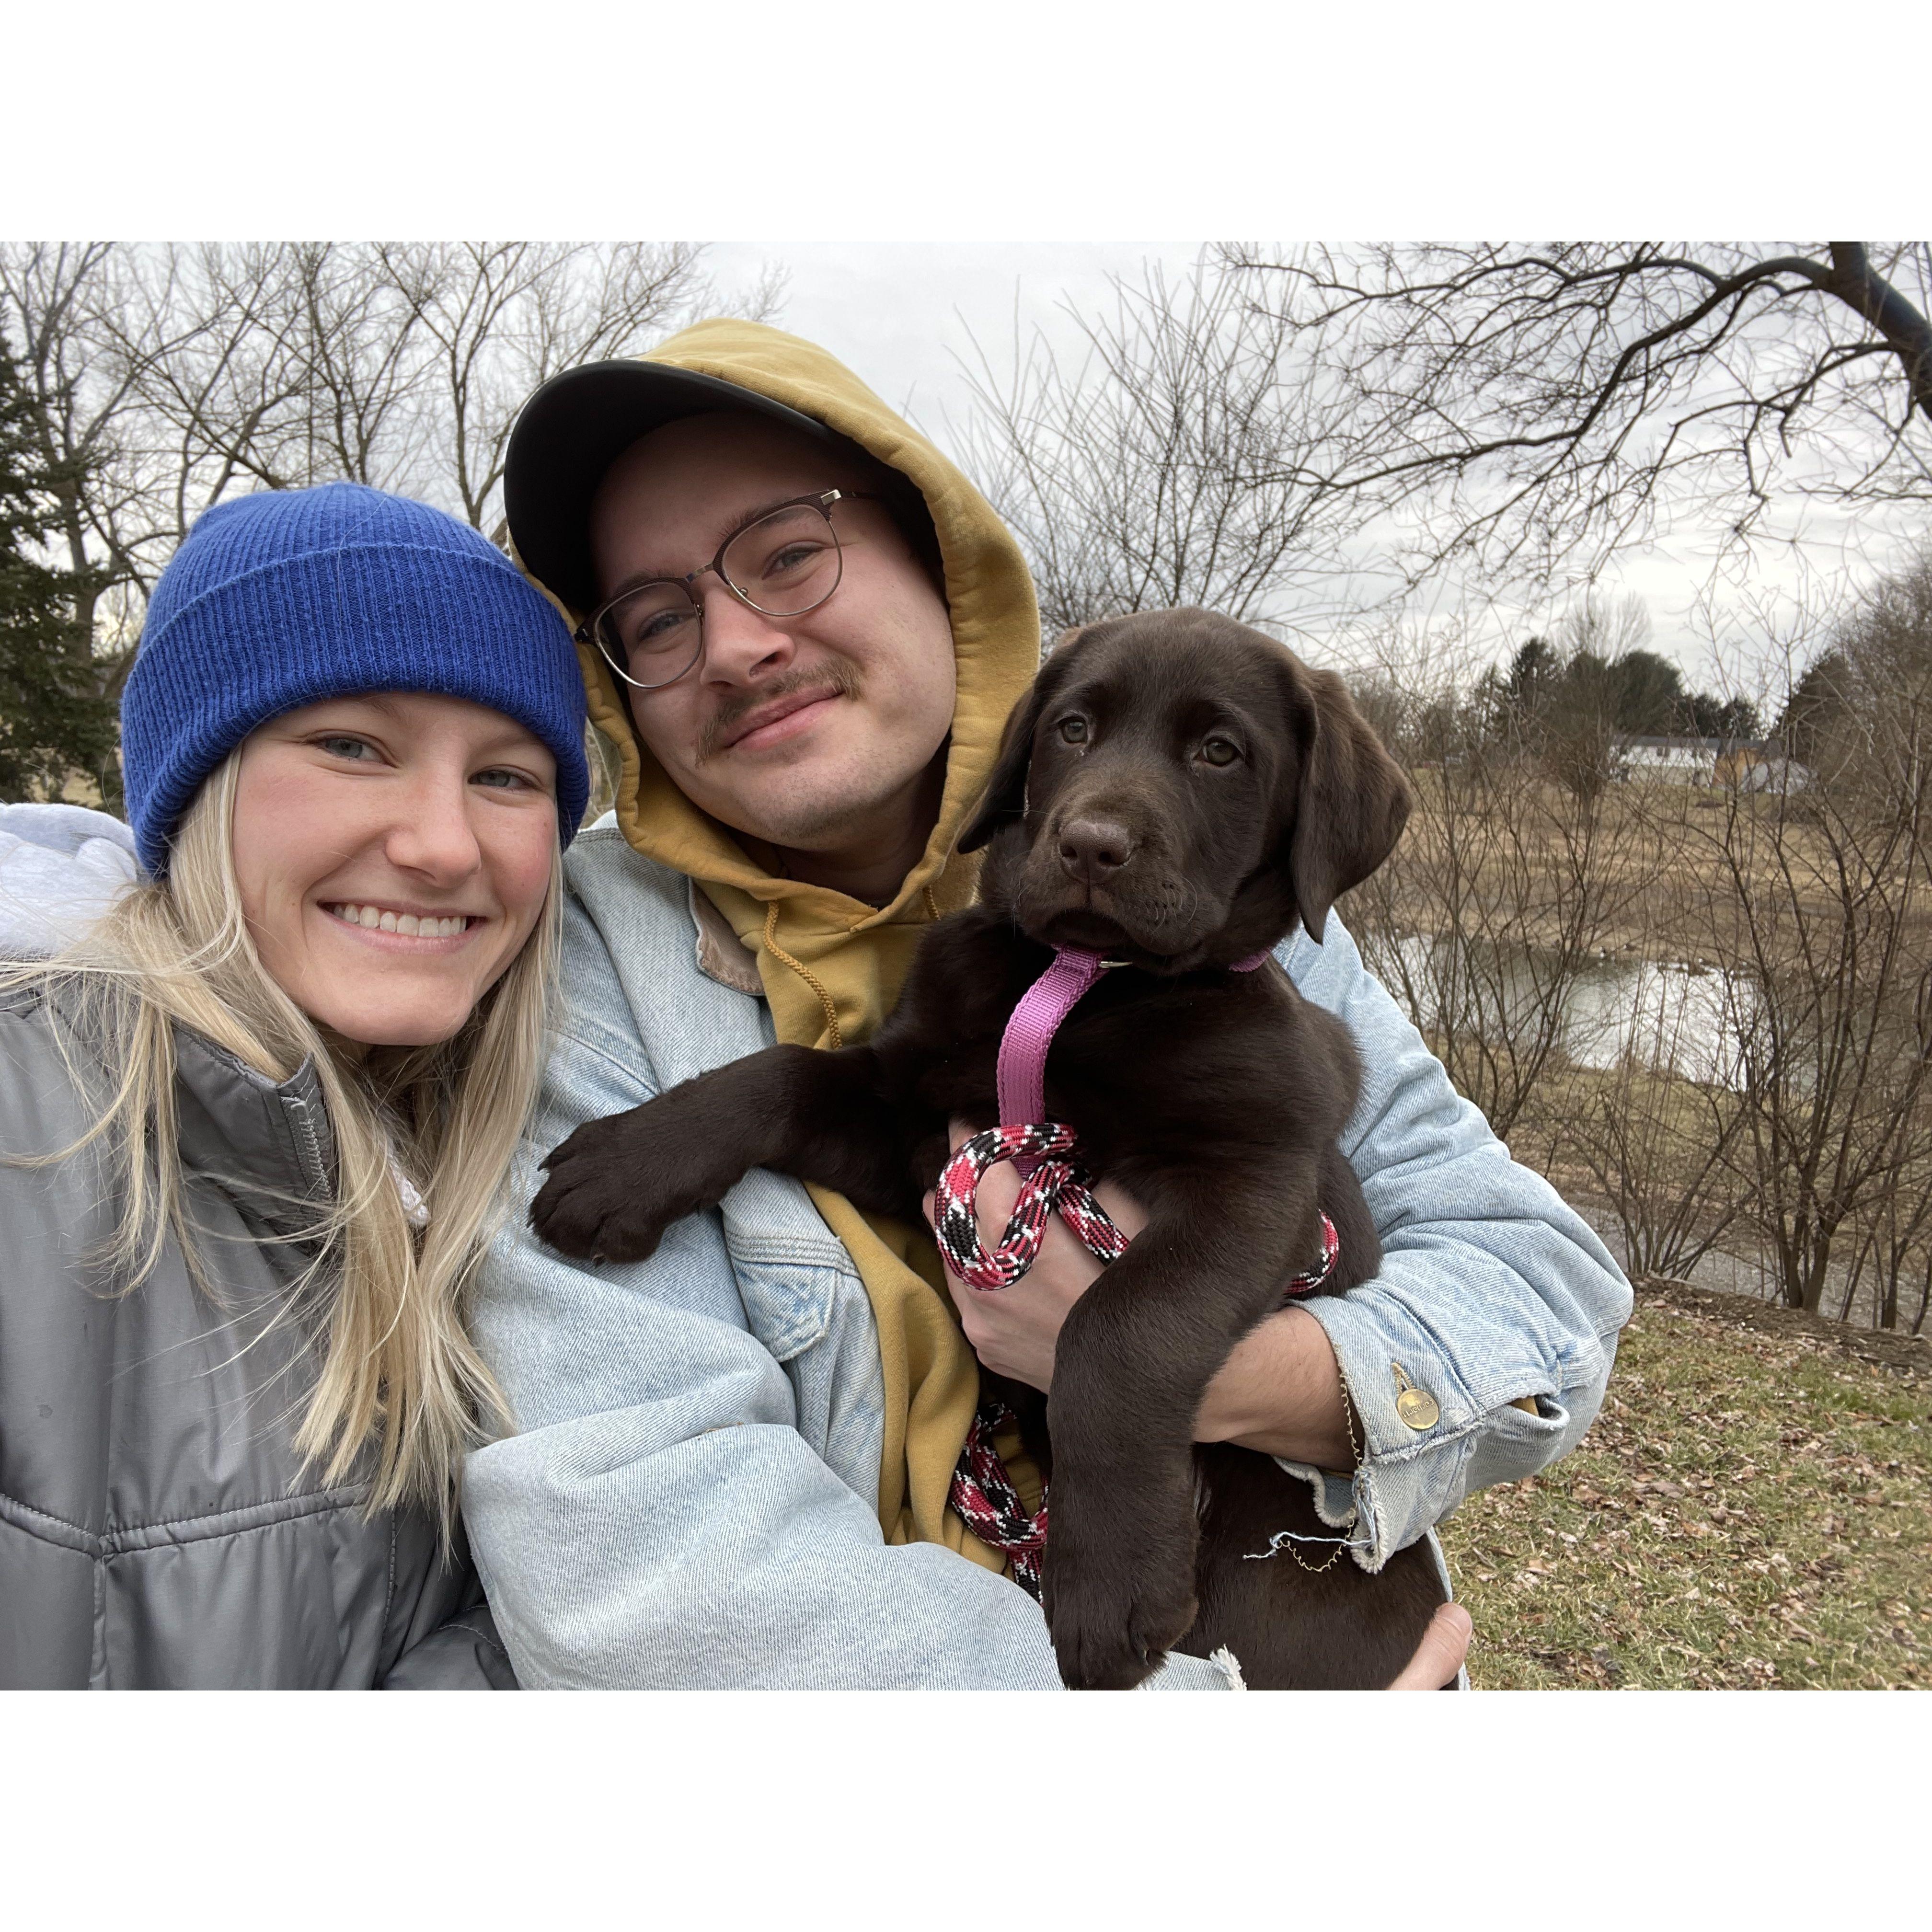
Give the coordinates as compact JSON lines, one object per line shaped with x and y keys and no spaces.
{"x":1692,"y":761}
{"x":1706,"y":761}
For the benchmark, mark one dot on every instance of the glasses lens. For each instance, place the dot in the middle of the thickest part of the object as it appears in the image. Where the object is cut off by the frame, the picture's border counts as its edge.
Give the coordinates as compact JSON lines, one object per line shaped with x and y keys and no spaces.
{"x":785,"y":563}
{"x":651,"y":636}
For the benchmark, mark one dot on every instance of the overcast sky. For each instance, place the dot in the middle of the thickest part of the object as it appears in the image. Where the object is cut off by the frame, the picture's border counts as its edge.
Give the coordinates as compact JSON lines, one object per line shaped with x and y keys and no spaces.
{"x":900,"y":315}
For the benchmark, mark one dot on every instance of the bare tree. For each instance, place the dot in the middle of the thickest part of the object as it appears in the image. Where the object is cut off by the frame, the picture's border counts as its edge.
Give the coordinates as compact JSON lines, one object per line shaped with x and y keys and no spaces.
{"x":1893,"y":1255}
{"x":401,"y":365}
{"x":1825,"y":923}
{"x":1164,"y":466}
{"x":1866,"y":986}
{"x":1608,"y":628}
{"x":163,"y":378}
{"x":1534,"y":407}
{"x":1276,"y":425}
{"x":504,"y":317}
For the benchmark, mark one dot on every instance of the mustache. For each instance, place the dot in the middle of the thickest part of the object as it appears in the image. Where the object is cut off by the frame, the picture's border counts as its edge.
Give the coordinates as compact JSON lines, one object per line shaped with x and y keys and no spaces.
{"x":836,"y":678}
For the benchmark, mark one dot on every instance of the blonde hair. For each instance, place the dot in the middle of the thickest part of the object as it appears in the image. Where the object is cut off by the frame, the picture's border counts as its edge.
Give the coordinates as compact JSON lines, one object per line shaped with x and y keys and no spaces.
{"x":387,"y":1301}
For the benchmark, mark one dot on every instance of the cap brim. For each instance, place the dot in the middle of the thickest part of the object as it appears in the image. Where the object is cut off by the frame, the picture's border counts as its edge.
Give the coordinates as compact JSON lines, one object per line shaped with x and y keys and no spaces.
{"x":573,"y":429}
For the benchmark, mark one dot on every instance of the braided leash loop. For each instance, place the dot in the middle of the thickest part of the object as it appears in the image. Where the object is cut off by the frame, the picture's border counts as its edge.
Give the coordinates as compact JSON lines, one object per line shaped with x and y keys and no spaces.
{"x":1055,"y":1184}
{"x":983,"y":1493}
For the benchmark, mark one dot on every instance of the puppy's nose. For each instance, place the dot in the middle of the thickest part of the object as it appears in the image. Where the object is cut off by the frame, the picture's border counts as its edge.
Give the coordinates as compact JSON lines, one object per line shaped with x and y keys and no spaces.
{"x":1092,"y":850}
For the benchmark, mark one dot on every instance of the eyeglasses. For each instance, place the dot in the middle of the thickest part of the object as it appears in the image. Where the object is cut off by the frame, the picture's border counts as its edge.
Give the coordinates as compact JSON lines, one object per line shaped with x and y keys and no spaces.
{"x":786,"y":563}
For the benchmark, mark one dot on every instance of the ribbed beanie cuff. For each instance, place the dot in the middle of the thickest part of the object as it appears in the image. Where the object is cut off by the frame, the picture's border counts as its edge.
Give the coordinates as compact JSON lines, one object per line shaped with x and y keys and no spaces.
{"x":289,"y":597}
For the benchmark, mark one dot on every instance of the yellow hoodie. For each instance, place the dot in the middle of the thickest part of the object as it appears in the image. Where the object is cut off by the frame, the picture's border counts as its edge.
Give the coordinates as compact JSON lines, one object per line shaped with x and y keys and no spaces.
{"x":831,"y":966}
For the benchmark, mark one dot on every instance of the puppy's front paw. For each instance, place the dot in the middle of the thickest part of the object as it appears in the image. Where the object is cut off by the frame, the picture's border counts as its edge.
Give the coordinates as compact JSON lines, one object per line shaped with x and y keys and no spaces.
{"x":616,"y":1185}
{"x":1116,"y":1602}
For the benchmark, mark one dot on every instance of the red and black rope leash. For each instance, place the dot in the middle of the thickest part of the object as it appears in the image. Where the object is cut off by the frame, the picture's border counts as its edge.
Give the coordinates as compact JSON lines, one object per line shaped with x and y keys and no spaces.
{"x":982,"y":1492}
{"x":1053,"y":1182}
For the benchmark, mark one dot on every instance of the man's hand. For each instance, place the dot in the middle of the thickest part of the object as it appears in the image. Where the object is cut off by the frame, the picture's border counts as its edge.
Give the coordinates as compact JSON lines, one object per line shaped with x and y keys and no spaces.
{"x":1013,"y":1330}
{"x":1444,"y":1644}
{"x":1279,"y":1391}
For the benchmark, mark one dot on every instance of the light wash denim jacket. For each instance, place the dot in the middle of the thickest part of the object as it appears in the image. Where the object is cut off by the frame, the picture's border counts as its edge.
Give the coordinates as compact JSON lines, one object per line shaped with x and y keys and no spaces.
{"x":690,"y":1498}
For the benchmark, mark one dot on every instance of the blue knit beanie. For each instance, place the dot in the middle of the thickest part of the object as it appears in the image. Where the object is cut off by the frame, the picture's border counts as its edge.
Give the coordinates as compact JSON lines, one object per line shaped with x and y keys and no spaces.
{"x":291,"y":596}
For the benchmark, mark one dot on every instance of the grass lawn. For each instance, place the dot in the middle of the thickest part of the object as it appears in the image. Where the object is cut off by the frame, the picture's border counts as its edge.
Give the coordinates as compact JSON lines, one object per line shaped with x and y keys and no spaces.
{"x":1752,"y":1509}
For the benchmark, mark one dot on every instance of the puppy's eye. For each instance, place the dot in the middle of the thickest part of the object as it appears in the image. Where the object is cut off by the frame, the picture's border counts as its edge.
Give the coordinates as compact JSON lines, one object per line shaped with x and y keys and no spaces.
{"x":1072,"y":730}
{"x":1218,"y":751}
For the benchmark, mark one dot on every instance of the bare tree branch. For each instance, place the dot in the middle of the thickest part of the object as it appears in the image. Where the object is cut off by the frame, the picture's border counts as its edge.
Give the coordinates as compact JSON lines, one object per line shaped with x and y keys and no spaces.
{"x":1534,"y":408}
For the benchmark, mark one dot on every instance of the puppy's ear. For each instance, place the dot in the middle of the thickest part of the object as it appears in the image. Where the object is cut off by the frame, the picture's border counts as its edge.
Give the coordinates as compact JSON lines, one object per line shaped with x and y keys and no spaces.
{"x":1352,"y":802}
{"x":1004,"y":798}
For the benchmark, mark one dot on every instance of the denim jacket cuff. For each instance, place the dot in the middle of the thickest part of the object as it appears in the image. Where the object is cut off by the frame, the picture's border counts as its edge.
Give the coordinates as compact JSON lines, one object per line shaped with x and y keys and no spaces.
{"x":1426,"y":1441}
{"x":1415,"y":1421}
{"x":1179,"y":1672}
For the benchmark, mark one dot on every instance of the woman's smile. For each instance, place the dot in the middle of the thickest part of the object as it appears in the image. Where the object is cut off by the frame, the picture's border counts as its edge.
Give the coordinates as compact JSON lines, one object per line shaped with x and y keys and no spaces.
{"x":430,"y":931}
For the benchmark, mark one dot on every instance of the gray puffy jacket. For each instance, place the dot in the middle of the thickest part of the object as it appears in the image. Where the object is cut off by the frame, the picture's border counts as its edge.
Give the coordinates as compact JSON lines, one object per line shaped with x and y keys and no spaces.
{"x":157,"y":1526}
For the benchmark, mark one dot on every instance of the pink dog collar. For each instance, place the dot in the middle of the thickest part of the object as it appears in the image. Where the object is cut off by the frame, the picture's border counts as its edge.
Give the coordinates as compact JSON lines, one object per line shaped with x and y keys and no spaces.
{"x":1046,"y":1003}
{"x":1045,"y":1152}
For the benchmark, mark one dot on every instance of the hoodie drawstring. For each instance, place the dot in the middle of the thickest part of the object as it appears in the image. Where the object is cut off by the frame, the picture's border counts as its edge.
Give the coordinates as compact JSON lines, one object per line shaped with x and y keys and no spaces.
{"x":799,"y":966}
{"x":778,"y":953}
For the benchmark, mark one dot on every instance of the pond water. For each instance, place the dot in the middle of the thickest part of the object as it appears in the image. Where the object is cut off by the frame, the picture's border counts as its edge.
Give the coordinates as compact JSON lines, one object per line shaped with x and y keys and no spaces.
{"x":1688,"y":1017}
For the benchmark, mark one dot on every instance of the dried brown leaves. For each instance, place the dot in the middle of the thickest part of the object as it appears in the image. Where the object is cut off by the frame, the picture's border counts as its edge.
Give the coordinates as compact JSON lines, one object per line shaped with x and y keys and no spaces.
{"x":1750,"y":1510}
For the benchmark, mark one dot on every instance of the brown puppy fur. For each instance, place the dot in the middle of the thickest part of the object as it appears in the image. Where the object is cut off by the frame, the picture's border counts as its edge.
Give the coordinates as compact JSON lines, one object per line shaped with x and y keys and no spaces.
{"x":1177,"y":790}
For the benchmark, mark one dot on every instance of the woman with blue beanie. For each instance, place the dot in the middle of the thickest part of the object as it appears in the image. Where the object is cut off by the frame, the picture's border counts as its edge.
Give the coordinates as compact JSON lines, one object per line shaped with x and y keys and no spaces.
{"x":255,"y":1120}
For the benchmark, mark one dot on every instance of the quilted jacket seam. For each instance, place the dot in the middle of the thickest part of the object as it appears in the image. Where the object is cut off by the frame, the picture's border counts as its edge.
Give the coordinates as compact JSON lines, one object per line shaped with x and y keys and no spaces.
{"x":8,"y":1504}
{"x":389,"y":1586}
{"x":208,"y":1525}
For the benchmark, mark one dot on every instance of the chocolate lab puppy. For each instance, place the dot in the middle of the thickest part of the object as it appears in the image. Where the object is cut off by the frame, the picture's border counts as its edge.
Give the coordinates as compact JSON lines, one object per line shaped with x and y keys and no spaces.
{"x":1177,"y":791}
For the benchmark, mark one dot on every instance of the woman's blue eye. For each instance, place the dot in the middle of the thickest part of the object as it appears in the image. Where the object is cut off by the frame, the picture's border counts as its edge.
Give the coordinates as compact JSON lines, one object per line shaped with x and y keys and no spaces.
{"x":347,"y":748}
{"x":503,"y":780}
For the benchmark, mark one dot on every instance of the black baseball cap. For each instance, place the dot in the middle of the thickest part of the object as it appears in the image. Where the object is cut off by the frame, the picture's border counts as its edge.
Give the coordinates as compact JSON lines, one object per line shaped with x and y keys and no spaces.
{"x":571,"y":431}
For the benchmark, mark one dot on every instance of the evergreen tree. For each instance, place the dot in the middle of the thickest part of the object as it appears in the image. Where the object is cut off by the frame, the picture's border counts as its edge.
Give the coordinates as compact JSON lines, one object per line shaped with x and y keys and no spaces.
{"x":1816,"y":708}
{"x":53,"y":720}
{"x":1707,"y":715}
{"x":1646,"y":694}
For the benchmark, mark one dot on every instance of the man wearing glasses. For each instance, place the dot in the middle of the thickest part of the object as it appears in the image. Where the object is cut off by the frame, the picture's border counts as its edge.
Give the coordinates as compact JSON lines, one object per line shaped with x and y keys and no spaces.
{"x":803,"y":629}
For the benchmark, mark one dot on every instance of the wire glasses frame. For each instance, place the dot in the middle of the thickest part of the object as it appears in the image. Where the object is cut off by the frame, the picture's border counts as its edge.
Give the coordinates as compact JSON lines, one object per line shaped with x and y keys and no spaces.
{"x":785,"y":561}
